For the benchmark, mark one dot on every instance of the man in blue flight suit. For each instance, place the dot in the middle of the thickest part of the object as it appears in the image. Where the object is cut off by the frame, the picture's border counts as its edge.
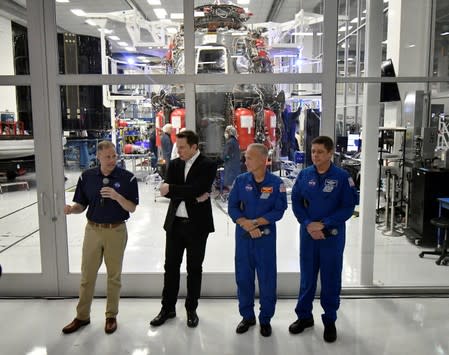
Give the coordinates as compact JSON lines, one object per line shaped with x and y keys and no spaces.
{"x":257,"y":200}
{"x":323,"y":198}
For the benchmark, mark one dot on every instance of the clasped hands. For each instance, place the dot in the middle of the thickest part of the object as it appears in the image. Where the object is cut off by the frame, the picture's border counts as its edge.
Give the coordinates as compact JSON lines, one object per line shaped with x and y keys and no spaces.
{"x":164,"y":189}
{"x":250,"y":228}
{"x":315,"y":229}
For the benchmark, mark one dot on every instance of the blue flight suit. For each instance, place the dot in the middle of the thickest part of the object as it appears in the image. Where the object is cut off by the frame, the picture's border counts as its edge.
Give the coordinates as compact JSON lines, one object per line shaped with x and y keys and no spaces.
{"x":329,"y":198}
{"x":252,"y":200}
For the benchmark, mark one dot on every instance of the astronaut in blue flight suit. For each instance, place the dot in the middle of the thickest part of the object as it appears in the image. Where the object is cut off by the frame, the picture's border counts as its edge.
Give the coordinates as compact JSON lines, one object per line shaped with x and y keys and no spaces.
{"x":323,"y":198}
{"x":257,"y":200}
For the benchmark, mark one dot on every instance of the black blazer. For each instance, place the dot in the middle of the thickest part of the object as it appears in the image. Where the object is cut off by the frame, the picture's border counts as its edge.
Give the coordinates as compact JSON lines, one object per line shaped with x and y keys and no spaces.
{"x":199,"y":180}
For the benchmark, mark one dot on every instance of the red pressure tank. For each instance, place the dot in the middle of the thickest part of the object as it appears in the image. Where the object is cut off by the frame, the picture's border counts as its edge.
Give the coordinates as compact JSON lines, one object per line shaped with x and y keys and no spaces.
{"x":178,"y":121}
{"x":270,"y":125}
{"x":159,"y":125}
{"x":244,"y":124}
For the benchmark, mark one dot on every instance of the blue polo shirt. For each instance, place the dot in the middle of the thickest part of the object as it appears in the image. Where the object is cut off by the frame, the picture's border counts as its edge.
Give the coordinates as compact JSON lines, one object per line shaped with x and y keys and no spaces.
{"x":88,"y":194}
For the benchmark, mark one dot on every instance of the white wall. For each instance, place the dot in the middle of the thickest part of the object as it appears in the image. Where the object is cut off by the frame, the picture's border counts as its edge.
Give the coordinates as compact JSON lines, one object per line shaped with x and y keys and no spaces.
{"x":7,"y":93}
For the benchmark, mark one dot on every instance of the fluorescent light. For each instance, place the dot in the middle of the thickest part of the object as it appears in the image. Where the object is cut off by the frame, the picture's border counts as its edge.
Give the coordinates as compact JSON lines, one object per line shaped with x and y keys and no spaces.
{"x":78,"y":12}
{"x":411,"y":45}
{"x":444,"y":34}
{"x":243,"y":2}
{"x":176,"y":15}
{"x":91,"y":22}
{"x":160,"y":12}
{"x":122,"y":44}
{"x":105,"y":30}
{"x":302,"y":34}
{"x":154,"y":2}
{"x":114,"y":38}
{"x":171,"y":30}
{"x":131,"y":61}
{"x":61,"y":1}
{"x":319,"y":33}
{"x":354,"y":20}
{"x":343,"y":28}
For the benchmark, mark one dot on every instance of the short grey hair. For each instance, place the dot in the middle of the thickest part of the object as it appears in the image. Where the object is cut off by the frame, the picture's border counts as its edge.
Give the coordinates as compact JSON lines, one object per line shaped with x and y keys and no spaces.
{"x":167,"y":127}
{"x":231,"y":131}
{"x":260,"y":148}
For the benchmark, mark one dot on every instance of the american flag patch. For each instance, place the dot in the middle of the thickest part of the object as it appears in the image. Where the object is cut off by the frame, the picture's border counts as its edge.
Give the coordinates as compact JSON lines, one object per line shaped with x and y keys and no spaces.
{"x":282,"y":188}
{"x":351,"y":182}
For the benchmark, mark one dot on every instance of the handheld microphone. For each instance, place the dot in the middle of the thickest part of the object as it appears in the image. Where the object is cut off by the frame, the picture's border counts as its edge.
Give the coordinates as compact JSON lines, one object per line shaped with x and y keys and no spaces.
{"x":265,"y":231}
{"x":105,"y":183}
{"x":330,"y":232}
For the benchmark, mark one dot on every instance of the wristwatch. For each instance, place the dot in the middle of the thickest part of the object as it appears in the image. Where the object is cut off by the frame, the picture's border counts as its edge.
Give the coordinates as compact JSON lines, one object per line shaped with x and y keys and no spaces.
{"x":255,"y":224}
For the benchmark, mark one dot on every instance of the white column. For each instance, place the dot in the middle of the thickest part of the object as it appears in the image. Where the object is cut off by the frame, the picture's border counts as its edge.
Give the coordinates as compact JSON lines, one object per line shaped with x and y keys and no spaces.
{"x":7,"y":93}
{"x":370,"y":124}
{"x":409,"y":25}
{"x":329,"y":67}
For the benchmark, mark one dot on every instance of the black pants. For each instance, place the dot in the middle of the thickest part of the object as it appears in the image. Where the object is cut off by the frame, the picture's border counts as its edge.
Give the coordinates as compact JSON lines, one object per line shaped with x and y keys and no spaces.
{"x":183,"y":236}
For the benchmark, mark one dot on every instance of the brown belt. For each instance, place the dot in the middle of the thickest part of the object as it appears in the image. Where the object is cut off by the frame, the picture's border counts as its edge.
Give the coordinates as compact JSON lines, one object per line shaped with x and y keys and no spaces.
{"x":105,"y":225}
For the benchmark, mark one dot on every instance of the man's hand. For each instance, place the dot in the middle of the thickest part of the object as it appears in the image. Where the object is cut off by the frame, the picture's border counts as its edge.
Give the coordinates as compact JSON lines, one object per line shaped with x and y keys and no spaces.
{"x":246,"y":224}
{"x":203,"y":197}
{"x":67,"y":209}
{"x":163,"y":189}
{"x":255,"y":233}
{"x":315,"y":229}
{"x":317,"y":235}
{"x":109,"y":192}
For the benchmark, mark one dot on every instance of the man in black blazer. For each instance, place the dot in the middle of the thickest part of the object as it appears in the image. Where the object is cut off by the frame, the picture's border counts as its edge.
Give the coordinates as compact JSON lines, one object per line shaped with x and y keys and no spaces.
{"x":188,"y":223}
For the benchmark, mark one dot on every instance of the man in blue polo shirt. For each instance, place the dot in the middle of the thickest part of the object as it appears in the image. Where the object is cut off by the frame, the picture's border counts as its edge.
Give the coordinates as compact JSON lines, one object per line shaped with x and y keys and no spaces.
{"x":109,"y":193}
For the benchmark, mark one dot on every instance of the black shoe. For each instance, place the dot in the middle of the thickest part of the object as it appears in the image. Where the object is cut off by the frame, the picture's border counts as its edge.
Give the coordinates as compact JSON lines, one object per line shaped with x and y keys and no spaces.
{"x":162,"y":317}
{"x":299,"y":325}
{"x":330,"y":333}
{"x":192,"y":319}
{"x":265,"y":329}
{"x":244,"y":325}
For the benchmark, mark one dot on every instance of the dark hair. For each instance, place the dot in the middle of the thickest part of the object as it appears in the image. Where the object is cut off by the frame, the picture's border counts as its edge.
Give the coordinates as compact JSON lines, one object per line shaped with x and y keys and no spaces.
{"x":324,"y":140}
{"x":191,"y":137}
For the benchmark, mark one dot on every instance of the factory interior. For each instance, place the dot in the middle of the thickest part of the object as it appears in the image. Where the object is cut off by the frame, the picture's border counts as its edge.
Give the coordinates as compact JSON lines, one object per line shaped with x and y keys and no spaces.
{"x":371,"y":74}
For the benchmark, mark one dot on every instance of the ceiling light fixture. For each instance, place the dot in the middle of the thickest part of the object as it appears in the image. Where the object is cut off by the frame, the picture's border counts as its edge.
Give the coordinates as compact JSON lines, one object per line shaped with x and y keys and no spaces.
{"x":114,"y":38}
{"x":444,"y":34}
{"x":78,"y":12}
{"x":160,"y":12}
{"x":122,"y":44}
{"x":176,"y":15}
{"x":302,"y":34}
{"x":154,"y":2}
{"x":63,"y":1}
{"x":243,"y":2}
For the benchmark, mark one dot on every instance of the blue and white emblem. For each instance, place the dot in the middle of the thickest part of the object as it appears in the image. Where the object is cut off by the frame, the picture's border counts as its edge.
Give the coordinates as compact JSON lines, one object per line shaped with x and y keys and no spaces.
{"x":329,"y":185}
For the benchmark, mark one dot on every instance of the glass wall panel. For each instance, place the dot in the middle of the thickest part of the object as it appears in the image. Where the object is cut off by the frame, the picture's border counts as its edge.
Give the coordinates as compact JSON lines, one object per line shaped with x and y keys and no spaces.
{"x":283,"y":117}
{"x":440,"y":63}
{"x":19,"y":224}
{"x":134,"y":123}
{"x":139,"y":38}
{"x":411,"y":172}
{"x":256,"y":37}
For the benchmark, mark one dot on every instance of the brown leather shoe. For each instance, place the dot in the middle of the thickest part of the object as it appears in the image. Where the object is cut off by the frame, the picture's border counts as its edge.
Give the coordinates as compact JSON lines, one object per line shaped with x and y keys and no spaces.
{"x":75,"y":325}
{"x":110,"y":325}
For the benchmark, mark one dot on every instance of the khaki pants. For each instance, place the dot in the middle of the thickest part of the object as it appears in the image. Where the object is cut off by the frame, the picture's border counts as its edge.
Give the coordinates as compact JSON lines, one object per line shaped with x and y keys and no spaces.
{"x":99,"y":243}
